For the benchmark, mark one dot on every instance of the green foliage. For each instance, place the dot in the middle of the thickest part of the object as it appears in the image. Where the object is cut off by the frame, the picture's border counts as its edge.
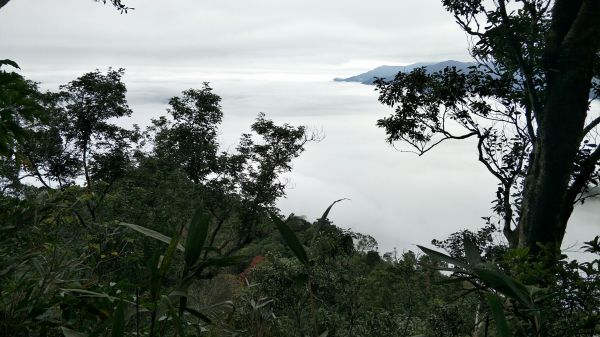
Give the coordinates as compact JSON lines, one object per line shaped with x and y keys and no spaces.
{"x":18,"y":104}
{"x":105,"y":278}
{"x":291,"y":240}
{"x":523,"y":59}
{"x":544,"y":295}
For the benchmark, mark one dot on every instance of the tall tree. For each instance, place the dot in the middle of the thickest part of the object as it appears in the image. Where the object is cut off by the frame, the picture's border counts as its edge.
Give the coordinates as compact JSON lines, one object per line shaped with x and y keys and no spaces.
{"x":527,"y":104}
{"x":90,"y":102}
{"x":238,"y":185}
{"x":18,"y":104}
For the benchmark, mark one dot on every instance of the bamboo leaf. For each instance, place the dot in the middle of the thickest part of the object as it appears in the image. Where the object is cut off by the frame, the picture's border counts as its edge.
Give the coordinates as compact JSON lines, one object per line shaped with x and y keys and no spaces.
{"x":10,"y":63}
{"x":471,"y":251}
{"x":443,"y":257}
{"x":498,"y":312}
{"x":196,"y":237}
{"x":72,"y":333}
{"x":199,"y":315}
{"x":217,"y":262}
{"x":323,"y":218}
{"x":324,"y":334}
{"x":326,"y":213}
{"x":290,"y":239}
{"x":504,"y":284}
{"x":118,"y":329}
{"x":151,"y":233}
{"x":168,"y":257}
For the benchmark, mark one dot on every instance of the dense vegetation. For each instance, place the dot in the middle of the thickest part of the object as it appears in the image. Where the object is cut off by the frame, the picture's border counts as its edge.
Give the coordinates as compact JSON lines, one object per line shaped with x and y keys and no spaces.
{"x":109,"y":231}
{"x":85,"y":203}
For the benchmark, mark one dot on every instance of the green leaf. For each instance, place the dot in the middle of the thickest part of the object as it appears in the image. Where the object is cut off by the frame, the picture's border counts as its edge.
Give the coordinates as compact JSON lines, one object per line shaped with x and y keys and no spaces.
{"x":154,"y":276}
{"x":504,"y":284}
{"x":443,"y":257}
{"x":218,"y":262}
{"x":72,"y":333}
{"x":471,"y":251}
{"x":10,"y":63}
{"x":323,"y":218}
{"x":165,"y":263}
{"x":151,"y":233}
{"x":199,"y":315}
{"x":196,"y":237}
{"x":118,"y":329}
{"x":326,"y":213}
{"x":101,"y":329}
{"x":88,"y":293}
{"x":498,"y":313}
{"x":176,"y":321}
{"x":451,"y":280}
{"x":290,"y":239}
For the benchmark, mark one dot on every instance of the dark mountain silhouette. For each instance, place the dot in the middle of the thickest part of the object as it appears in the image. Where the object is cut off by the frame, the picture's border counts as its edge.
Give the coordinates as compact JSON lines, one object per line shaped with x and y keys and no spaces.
{"x":388,"y":72}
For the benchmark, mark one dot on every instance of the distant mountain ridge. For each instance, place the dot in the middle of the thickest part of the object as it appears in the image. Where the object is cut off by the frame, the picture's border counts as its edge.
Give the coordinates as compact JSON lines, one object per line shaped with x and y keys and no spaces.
{"x":389,"y":72}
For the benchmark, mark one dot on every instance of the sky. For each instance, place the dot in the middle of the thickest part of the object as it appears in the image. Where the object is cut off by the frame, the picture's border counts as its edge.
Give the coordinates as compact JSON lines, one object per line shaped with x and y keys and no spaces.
{"x":279,"y":57}
{"x":308,"y":36}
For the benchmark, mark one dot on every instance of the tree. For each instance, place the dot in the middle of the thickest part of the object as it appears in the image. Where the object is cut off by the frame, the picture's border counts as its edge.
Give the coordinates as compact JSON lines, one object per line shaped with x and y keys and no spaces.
{"x":526,"y":103}
{"x":190,"y":140}
{"x":77,"y":139}
{"x":18,"y":104}
{"x":236,"y":186}
{"x":89,"y":103}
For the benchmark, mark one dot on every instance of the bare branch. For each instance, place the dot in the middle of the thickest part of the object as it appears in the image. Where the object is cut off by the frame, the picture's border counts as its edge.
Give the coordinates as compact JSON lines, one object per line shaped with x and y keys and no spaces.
{"x":423,"y":150}
{"x":480,"y":148}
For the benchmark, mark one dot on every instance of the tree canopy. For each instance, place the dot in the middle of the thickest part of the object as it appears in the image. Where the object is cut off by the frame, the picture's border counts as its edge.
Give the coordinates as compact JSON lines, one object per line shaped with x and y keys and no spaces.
{"x":526,"y":103}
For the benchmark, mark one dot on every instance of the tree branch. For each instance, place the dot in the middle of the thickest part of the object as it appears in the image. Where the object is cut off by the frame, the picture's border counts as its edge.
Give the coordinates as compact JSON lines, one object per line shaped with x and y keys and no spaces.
{"x":587,"y":169}
{"x":524,"y":68}
{"x":423,"y":150}
{"x":591,"y":126}
{"x":481,"y":158}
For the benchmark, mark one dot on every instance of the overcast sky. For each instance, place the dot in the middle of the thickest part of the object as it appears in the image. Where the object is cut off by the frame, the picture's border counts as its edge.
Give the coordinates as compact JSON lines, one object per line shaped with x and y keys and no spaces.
{"x":278,"y":57}
{"x":284,"y":35}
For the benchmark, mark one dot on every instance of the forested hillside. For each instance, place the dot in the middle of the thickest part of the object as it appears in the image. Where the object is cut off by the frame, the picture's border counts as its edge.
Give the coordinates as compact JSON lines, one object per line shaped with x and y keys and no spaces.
{"x":162,"y":231}
{"x":93,"y":213}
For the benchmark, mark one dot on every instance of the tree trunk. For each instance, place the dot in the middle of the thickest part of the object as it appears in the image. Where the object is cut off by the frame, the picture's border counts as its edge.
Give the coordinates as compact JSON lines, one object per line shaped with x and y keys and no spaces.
{"x":3,"y":2}
{"x":572,"y":45}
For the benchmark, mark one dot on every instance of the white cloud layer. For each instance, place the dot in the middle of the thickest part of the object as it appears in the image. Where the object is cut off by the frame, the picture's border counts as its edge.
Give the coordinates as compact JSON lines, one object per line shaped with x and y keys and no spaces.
{"x":278,"y":57}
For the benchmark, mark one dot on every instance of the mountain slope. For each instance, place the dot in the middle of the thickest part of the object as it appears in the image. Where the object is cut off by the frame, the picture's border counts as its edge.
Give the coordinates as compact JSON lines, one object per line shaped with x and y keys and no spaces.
{"x":388,"y":72}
